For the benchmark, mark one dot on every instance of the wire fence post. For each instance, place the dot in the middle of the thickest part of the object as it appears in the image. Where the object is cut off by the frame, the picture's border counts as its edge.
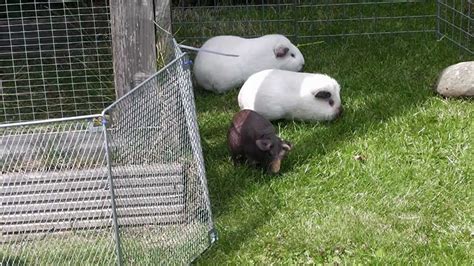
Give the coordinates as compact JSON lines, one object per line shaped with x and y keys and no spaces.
{"x":118,"y":248}
{"x":438,"y":17}
{"x":187,"y":95}
{"x":295,"y":18}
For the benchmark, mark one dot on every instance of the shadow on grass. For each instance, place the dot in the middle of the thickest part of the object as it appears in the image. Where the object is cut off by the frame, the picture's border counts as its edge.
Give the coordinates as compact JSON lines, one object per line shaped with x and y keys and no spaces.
{"x":13,"y":260}
{"x":380,"y":79}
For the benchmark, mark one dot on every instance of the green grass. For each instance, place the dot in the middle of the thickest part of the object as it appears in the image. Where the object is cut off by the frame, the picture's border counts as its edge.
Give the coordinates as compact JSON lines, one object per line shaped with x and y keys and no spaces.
{"x":140,"y":246}
{"x":408,"y":200}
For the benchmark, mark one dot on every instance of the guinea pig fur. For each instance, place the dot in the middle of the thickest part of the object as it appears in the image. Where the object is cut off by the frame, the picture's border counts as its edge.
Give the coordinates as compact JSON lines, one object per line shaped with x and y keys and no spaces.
{"x":220,"y":73}
{"x":279,"y":94}
{"x":252,"y":138}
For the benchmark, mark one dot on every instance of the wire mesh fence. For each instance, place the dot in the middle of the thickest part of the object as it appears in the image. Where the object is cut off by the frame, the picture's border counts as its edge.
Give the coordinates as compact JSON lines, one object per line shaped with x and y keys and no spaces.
{"x":153,"y":130}
{"x":126,"y":185}
{"x":55,"y":206}
{"x":55,"y":58}
{"x":55,"y":55}
{"x":456,"y":22}
{"x":302,"y":19}
{"x":307,"y":21}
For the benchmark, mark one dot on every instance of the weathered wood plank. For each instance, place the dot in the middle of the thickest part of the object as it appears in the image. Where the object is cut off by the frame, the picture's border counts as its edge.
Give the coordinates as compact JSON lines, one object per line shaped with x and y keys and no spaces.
{"x":91,"y":204}
{"x":168,"y":171}
{"x":79,"y":199}
{"x":84,"y":141}
{"x":50,"y":227}
{"x":133,"y":41}
{"x":46,"y":217}
{"x":79,"y":196}
{"x":86,"y":185}
{"x":55,"y":197}
{"x":72,"y":216}
{"x":65,"y":235}
{"x":150,"y":210}
{"x":48,"y":188}
{"x":149,"y":191}
{"x":149,"y":181}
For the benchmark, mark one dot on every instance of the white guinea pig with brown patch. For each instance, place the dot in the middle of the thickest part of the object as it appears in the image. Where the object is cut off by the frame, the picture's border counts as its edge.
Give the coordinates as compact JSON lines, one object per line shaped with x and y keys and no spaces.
{"x":279,"y":94}
{"x":220,"y":73}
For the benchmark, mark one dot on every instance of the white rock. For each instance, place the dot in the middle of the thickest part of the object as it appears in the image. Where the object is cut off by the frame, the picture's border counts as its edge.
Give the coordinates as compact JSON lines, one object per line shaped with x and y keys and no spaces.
{"x":457,"y":80}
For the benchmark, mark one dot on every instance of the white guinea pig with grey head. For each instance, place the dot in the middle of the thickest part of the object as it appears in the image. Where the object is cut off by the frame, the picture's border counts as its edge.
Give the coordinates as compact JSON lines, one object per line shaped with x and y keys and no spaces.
{"x":279,"y":94}
{"x":220,"y":73}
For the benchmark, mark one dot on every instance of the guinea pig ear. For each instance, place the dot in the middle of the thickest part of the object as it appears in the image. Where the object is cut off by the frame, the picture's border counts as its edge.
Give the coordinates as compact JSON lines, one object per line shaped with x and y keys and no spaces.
{"x":286,"y":146}
{"x":264,"y":144}
{"x":281,"y":50}
{"x":323,"y":95}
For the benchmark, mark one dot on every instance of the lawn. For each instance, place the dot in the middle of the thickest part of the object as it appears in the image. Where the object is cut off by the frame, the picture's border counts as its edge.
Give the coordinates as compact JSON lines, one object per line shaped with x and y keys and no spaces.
{"x":389,"y":182}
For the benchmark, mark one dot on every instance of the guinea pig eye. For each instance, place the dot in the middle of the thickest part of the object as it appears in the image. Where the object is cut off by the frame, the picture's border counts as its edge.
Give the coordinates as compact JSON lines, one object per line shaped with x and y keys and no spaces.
{"x":323,"y":95}
{"x":292,"y":55}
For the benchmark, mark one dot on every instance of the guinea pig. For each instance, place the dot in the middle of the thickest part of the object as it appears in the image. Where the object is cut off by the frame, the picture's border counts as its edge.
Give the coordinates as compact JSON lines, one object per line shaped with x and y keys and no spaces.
{"x":252,"y":138}
{"x":279,"y":94}
{"x":220,"y":73}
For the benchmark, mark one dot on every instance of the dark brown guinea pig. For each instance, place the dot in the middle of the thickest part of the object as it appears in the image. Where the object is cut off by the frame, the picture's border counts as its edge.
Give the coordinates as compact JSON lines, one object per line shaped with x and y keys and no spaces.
{"x":252,"y":138}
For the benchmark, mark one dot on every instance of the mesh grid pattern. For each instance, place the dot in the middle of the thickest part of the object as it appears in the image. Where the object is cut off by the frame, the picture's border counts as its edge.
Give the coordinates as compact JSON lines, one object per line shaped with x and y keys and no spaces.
{"x":456,"y":22}
{"x":55,"y":59}
{"x":126,"y":186}
{"x":310,"y":20}
{"x":153,"y":130}
{"x":304,"y":20}
{"x":55,"y":204}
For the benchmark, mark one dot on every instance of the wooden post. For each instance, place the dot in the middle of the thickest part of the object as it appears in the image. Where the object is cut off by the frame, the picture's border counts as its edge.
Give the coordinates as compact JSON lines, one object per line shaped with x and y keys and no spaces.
{"x":133,"y":41}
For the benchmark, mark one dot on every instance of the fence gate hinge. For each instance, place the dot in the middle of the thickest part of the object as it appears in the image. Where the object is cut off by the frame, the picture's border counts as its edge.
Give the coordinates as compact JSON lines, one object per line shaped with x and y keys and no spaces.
{"x":106,"y":120}
{"x":213,"y":236}
{"x":187,"y":63}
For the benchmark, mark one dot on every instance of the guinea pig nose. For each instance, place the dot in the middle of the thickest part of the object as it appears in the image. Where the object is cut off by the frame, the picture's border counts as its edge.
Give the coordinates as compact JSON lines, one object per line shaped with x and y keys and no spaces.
{"x":340,"y":110}
{"x":274,"y":167}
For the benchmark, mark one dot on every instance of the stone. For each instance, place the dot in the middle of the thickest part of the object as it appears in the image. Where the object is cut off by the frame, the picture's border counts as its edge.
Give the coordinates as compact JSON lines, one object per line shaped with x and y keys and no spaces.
{"x":457,"y":80}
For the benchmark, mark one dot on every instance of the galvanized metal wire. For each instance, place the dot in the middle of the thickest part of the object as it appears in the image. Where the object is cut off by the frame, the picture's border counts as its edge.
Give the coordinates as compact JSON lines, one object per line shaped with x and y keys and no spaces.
{"x":456,"y":22}
{"x":125,"y":186}
{"x":55,"y":59}
{"x":306,"y":21}
{"x":55,"y":205}
{"x":55,"y":56}
{"x":153,"y":131}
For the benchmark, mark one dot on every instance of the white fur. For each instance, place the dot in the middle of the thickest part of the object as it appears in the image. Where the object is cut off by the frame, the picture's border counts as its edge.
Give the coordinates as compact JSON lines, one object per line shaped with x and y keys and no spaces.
{"x":278,"y":94}
{"x":221,"y":73}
